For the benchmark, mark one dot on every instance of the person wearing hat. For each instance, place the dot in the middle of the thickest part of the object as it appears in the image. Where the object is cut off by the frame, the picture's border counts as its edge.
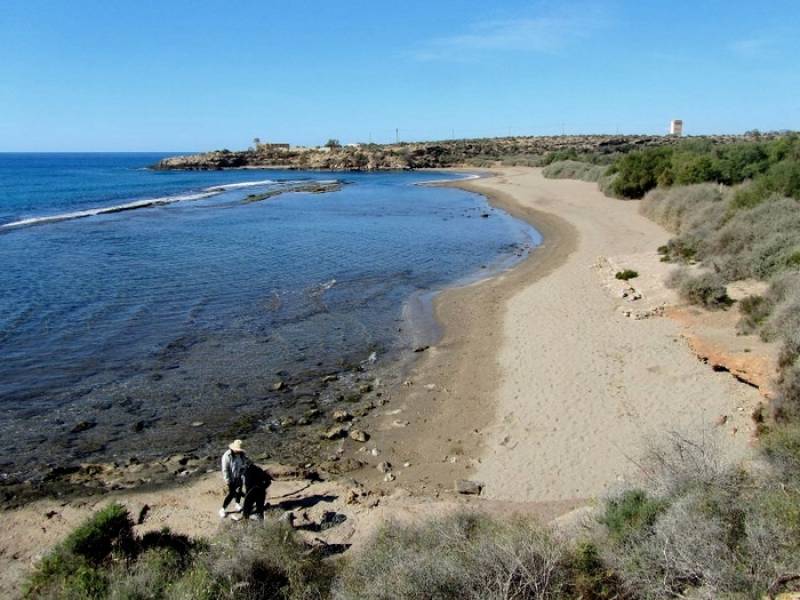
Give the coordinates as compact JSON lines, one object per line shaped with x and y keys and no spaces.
{"x":234,"y":463}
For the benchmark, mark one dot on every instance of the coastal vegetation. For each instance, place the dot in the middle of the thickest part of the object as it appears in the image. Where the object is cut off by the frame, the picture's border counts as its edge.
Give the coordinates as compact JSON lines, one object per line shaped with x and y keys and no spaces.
{"x":575,"y":169}
{"x":733,"y":207}
{"x":695,"y":528}
{"x":540,"y":151}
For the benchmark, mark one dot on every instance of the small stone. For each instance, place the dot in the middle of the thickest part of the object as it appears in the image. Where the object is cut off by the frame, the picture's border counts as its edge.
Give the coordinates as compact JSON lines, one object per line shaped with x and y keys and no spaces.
{"x":721,"y":420}
{"x":389,"y":477}
{"x":340,"y":416}
{"x":421,"y":348}
{"x":329,"y":378}
{"x":385,"y":467}
{"x":430,"y":386}
{"x":359,"y":436}
{"x":288,"y":422}
{"x":365,"y":388}
{"x":334,"y":433}
{"x":465,"y":486}
{"x":375,"y":452}
{"x":406,"y":464}
{"x":197,"y":423}
{"x":82,"y":426}
{"x":279,"y":386}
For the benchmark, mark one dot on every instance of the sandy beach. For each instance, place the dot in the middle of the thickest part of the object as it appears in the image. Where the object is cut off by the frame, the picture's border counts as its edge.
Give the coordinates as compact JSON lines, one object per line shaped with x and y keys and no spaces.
{"x":542,"y":388}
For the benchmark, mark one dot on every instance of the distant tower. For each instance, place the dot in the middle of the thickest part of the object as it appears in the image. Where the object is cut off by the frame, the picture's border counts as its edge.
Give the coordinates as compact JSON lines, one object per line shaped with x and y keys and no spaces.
{"x":676,"y":127}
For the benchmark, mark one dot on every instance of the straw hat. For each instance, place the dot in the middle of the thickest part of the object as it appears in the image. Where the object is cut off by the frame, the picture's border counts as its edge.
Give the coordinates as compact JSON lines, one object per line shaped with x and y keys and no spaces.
{"x":236,"y":446}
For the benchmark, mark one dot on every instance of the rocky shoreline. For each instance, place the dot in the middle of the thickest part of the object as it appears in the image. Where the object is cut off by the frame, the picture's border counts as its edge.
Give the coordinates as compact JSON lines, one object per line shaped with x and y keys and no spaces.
{"x":316,"y":413}
{"x":423,"y":155}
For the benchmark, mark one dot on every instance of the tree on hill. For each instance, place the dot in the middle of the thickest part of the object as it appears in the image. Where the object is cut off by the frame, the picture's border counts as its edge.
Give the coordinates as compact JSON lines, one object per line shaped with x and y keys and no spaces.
{"x":333,"y":143}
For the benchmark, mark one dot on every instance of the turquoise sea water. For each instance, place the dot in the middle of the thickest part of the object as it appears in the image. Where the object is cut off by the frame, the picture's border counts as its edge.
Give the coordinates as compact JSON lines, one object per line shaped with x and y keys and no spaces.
{"x":190,"y":309}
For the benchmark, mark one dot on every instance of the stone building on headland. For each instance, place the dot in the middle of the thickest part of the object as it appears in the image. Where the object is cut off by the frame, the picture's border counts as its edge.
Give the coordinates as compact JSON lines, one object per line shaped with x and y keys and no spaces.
{"x":676,"y":127}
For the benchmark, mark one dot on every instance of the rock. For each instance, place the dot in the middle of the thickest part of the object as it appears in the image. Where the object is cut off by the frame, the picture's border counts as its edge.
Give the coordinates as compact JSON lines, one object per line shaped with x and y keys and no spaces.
{"x":197,"y":423}
{"x":312,"y":413}
{"x":340,"y":416}
{"x":721,"y":420}
{"x":331,"y":519}
{"x":389,"y":477}
{"x":83,"y":426}
{"x":279,"y":386}
{"x":421,"y":348}
{"x":288,"y":422}
{"x":365,"y":388}
{"x":339,"y":467}
{"x":359,"y":436}
{"x":329,"y":378}
{"x":375,"y":452}
{"x":291,"y":472}
{"x":385,"y":467}
{"x":335,"y":433}
{"x":465,"y":486}
{"x":406,"y":464}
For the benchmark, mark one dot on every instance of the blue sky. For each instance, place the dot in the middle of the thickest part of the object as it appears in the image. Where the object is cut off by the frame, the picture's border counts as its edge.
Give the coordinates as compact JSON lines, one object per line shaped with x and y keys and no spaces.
{"x":194,"y":74}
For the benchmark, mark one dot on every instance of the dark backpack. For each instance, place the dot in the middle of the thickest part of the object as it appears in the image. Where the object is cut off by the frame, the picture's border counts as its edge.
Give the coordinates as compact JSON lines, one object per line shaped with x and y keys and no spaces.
{"x":256,"y":477}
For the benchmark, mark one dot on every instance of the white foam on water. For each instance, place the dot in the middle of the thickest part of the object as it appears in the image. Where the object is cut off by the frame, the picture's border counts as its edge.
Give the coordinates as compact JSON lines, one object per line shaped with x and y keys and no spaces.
{"x":466,"y":177}
{"x":243,"y":184}
{"x":91,"y":212}
{"x":146,"y":203}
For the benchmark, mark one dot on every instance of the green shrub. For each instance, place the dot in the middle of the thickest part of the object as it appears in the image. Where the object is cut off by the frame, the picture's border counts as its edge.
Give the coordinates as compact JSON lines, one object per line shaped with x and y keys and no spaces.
{"x":629,"y":514}
{"x":108,"y":530}
{"x":782,"y":446}
{"x":75,"y":568}
{"x":573,"y":169}
{"x":639,"y":172}
{"x":456,"y":557}
{"x":707,"y":289}
{"x":626,"y":275}
{"x":754,"y":310}
{"x":591,"y":578}
{"x":150,"y":576}
{"x":683,"y":208}
{"x":263,"y":560}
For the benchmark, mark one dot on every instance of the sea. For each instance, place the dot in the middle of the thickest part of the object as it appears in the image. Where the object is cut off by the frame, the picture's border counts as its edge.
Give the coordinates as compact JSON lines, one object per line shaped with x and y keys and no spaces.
{"x":144,"y":311}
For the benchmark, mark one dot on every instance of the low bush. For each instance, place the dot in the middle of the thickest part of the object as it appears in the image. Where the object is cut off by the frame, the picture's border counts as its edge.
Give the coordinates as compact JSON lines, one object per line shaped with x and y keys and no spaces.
{"x":77,"y":568}
{"x":461,"y":556}
{"x":103,"y":559}
{"x":678,"y":209}
{"x":630,"y":514}
{"x":626,"y":275}
{"x":707,"y":289}
{"x":573,"y":169}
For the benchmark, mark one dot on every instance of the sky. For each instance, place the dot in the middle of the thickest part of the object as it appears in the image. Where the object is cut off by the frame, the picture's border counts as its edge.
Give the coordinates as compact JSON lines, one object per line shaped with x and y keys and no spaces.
{"x":191,"y":75}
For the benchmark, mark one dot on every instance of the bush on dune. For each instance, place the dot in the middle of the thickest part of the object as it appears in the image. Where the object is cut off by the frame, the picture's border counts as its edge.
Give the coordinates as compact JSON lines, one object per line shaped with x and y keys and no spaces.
{"x":460,"y":557}
{"x":572,"y":169}
{"x":704,"y":529}
{"x":707,"y":289}
{"x":103,"y":559}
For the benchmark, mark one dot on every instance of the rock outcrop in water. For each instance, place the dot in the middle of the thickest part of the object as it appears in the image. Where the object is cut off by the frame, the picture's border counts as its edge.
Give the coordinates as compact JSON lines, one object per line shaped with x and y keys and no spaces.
{"x":450,"y":153}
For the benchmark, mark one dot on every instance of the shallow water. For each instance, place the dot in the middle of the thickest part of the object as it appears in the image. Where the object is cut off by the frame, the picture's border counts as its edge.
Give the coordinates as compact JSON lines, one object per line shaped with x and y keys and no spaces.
{"x":191,"y":310}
